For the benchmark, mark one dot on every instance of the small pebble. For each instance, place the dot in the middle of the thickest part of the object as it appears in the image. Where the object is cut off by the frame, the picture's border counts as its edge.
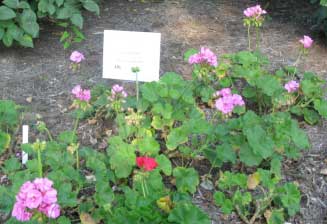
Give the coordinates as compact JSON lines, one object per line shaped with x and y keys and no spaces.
{"x":323,"y":172}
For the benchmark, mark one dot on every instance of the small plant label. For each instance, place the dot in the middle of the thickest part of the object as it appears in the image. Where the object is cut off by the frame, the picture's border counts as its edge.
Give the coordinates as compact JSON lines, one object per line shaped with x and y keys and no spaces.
{"x":124,"y":50}
{"x":25,"y":140}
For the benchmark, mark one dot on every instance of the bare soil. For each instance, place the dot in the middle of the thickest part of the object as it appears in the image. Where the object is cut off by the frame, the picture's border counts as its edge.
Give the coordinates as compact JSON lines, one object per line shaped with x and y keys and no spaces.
{"x":43,"y":72}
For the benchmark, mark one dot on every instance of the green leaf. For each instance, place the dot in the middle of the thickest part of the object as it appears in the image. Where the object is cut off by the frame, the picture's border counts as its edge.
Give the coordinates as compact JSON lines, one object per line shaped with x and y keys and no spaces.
{"x":188,"y":214}
{"x":269,"y":84}
{"x":242,"y":198}
{"x":67,"y":137}
{"x":43,"y":6}
{"x":228,"y":180}
{"x":11,"y":165}
{"x":6,"y":13}
{"x":164,"y":164}
{"x":7,"y":199}
{"x":4,"y":141}
{"x":91,"y":6}
{"x":63,"y":220}
{"x":290,"y":197}
{"x":275,"y":166}
{"x":187,"y":179}
{"x":277,"y":217}
{"x":248,"y":157}
{"x":8,"y":114}
{"x":267,"y":180}
{"x":29,"y":23}
{"x":64,"y":13}
{"x":15,"y":32}
{"x":148,"y":145}
{"x":59,"y":2}
{"x":260,"y":141}
{"x":310,"y":88}
{"x":104,"y":194}
{"x":64,"y":36}
{"x":33,"y":166}
{"x":26,"y":41}
{"x":77,"y":20}
{"x":226,"y":153}
{"x":249,"y":92}
{"x":11,"y":3}
{"x":323,"y":3}
{"x":7,"y":39}
{"x":321,"y":106}
{"x":66,"y":196}
{"x":225,"y":203}
{"x":149,"y":91}
{"x":2,"y":32}
{"x":23,"y":5}
{"x":311,"y":116}
{"x":67,"y":45}
{"x":299,"y":136}
{"x":51,"y":9}
{"x":122,"y":157}
{"x":176,"y":137}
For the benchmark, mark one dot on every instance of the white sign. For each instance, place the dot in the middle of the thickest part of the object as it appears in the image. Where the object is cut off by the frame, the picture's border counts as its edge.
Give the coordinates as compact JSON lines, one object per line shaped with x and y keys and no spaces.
{"x":123,"y":50}
{"x":25,"y":140}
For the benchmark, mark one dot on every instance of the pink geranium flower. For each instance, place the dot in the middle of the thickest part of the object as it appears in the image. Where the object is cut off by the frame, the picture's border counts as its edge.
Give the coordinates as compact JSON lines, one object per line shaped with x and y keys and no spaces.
{"x":81,"y":94}
{"x":117,"y":92}
{"x":52,"y":211}
{"x":254,"y":12}
{"x":37,"y":195}
{"x":292,"y":86}
{"x":227,"y":101}
{"x":76,"y":57}
{"x":20,"y":213}
{"x":306,"y":41}
{"x":204,"y":56}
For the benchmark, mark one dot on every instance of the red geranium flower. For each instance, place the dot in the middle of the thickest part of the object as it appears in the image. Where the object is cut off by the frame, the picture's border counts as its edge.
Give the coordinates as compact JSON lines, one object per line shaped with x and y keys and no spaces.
{"x":146,"y":163}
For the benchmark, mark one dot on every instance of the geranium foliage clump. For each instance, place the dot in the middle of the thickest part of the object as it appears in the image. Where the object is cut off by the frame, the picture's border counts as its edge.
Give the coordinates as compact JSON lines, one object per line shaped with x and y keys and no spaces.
{"x":235,"y":116}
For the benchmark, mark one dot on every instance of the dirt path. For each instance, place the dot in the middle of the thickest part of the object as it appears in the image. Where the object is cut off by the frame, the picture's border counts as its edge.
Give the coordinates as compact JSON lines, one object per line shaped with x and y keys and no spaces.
{"x":43,"y":72}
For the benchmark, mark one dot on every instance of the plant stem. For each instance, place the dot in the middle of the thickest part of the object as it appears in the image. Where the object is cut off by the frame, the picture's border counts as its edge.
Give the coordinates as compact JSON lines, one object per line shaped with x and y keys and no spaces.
{"x":137,"y":88}
{"x":307,"y":103}
{"x":259,"y":101}
{"x":146,"y":187}
{"x":39,"y":162}
{"x":298,"y":58}
{"x":142,"y":185}
{"x":49,"y":134}
{"x":77,"y":158}
{"x":249,"y":38}
{"x":243,"y":217}
{"x":74,"y":132}
{"x":257,"y":38}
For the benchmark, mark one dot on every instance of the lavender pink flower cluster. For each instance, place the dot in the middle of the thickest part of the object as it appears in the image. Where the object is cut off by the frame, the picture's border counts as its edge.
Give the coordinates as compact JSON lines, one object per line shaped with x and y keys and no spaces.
{"x":306,"y":41}
{"x":227,"y":101}
{"x":204,"y":56}
{"x":81,"y":94}
{"x":292,"y":86}
{"x":254,"y":12}
{"x":118,"y":91}
{"x":37,"y":195}
{"x":76,"y":57}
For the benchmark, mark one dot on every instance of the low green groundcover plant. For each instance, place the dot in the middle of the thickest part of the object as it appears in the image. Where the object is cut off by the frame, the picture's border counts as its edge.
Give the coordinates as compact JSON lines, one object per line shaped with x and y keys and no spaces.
{"x":19,"y":19}
{"x":234,"y":111}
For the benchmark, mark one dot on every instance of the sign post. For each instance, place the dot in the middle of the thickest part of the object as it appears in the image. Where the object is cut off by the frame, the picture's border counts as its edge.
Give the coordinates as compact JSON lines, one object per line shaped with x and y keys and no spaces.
{"x":25,"y":140}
